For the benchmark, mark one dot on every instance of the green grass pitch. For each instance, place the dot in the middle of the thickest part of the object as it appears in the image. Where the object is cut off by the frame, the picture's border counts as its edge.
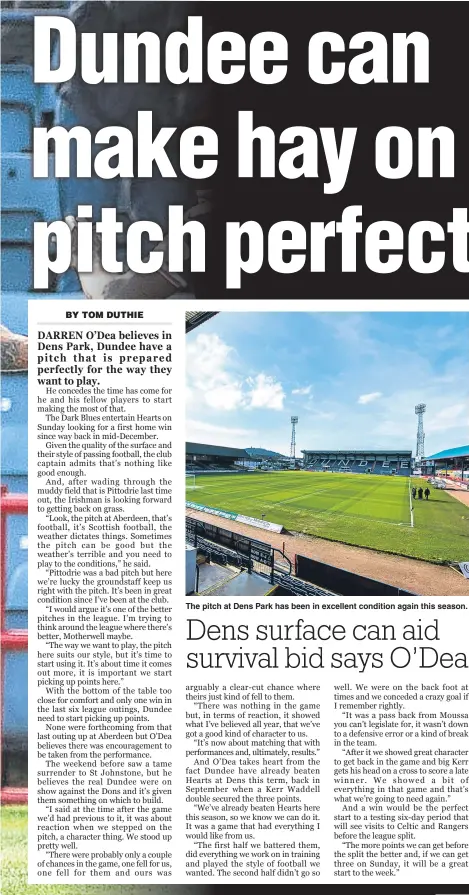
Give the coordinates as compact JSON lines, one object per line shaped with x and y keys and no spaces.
{"x":364,"y":510}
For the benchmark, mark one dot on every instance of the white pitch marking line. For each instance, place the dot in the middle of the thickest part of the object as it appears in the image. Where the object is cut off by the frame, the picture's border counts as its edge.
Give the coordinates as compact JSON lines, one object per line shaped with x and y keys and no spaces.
{"x":411,"y":507}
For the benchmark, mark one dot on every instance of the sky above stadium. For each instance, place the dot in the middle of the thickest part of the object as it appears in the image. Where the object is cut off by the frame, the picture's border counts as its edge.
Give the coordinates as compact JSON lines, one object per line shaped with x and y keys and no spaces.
{"x":353,"y":379}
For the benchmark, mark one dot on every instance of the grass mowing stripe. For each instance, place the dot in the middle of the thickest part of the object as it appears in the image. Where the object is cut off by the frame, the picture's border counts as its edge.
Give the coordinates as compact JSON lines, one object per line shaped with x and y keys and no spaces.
{"x":347,"y":507}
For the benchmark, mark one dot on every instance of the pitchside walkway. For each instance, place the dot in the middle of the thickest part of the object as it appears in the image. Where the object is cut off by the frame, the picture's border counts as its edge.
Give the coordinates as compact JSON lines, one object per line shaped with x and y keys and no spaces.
{"x":224,"y":581}
{"x":410,"y":574}
{"x":460,"y":495}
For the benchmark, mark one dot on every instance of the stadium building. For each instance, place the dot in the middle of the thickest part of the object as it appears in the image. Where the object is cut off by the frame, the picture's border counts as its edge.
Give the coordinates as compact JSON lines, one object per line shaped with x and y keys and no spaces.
{"x":206,"y":458}
{"x":196,"y":318}
{"x":453,"y":462}
{"x":374,"y":462}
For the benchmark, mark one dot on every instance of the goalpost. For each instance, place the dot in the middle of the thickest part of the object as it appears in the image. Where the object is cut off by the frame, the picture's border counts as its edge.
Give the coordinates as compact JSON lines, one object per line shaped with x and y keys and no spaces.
{"x":190,"y":480}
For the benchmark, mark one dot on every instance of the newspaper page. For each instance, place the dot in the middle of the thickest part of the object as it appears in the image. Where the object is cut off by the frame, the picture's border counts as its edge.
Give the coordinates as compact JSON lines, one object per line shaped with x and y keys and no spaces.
{"x":214,"y":737}
{"x":235,"y":478}
{"x":105,"y":548}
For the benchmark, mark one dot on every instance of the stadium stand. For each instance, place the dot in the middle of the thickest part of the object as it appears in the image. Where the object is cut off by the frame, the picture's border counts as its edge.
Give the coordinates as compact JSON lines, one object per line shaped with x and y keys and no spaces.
{"x":260,"y":566}
{"x":205,"y":459}
{"x":453,"y":462}
{"x":370,"y":462}
{"x":196,"y":318}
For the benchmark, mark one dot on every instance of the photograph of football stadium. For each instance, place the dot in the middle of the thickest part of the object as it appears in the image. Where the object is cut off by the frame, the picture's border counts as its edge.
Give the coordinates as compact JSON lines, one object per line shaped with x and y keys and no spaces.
{"x":327,"y":453}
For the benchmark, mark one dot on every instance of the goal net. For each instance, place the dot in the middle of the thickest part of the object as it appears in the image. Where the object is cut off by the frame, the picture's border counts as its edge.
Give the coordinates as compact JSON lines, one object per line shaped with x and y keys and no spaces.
{"x":190,"y":480}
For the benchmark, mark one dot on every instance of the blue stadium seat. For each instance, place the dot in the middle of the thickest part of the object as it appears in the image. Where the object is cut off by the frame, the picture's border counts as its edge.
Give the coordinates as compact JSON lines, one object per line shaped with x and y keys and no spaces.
{"x":16,"y":128}
{"x":356,"y":465}
{"x":24,"y":106}
{"x":26,"y":195}
{"x":19,"y":107}
{"x":24,"y":201}
{"x":14,"y":409}
{"x":403,"y":468}
{"x":15,"y":306}
{"x":16,"y":484}
{"x":68,"y":282}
